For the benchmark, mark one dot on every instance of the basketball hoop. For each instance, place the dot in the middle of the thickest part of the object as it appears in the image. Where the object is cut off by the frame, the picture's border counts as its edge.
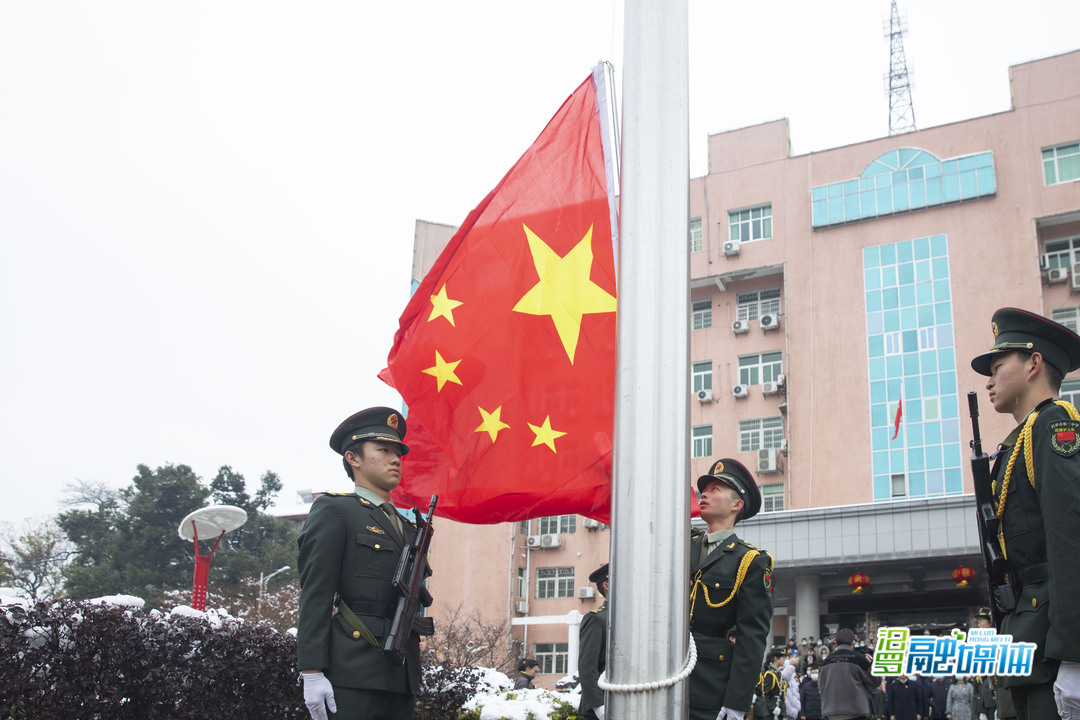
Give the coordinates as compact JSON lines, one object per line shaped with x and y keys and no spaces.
{"x":207,"y":521}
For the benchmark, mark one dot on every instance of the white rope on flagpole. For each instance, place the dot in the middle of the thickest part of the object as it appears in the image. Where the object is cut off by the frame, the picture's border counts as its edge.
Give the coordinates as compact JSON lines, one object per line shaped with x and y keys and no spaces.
{"x":691,"y":661}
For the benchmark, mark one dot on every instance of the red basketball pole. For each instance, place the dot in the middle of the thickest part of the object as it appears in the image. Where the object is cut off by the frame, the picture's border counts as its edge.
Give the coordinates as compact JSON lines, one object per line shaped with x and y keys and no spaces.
{"x":202,"y":570}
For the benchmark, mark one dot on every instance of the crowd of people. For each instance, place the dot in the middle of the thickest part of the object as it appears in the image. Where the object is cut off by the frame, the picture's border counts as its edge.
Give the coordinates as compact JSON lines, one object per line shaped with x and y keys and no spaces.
{"x":830,"y":679}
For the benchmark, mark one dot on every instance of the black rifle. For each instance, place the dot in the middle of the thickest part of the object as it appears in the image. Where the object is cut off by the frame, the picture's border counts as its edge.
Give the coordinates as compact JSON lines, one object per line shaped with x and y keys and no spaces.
{"x":1002,"y":599}
{"x":409,"y":582}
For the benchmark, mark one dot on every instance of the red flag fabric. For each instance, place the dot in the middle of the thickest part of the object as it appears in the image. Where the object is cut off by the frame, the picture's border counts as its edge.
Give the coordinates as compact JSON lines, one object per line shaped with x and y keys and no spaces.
{"x":505,"y":355}
{"x":896,"y":422}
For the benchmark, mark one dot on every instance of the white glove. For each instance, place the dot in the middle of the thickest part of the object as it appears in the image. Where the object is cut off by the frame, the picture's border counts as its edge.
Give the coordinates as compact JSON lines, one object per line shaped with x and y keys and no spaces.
{"x":599,"y":712}
{"x":1067,"y":690}
{"x":727,"y":713}
{"x":318,"y":695}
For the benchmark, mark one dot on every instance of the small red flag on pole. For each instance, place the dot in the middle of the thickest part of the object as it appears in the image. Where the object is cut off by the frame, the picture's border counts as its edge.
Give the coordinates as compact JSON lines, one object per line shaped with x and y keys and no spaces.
{"x":899,"y":413}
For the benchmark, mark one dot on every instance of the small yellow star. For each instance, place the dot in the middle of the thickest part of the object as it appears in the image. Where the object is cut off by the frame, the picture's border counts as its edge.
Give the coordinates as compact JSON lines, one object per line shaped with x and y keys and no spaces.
{"x":545,"y":435}
{"x":443,"y":371}
{"x":492,"y":422}
{"x":443,"y":306}
{"x":565,"y":290}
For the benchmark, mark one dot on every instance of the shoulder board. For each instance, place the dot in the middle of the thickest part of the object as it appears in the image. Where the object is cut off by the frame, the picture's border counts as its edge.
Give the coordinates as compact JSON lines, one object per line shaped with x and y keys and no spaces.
{"x":752,"y":547}
{"x":330,"y":494}
{"x":407,"y":521}
{"x":695,"y":533}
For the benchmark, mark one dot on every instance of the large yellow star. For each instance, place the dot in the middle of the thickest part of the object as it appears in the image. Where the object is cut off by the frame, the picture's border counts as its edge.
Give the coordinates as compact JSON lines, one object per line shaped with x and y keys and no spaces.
{"x":545,"y":435}
{"x":565,"y":291}
{"x":443,"y":306}
{"x":443,"y":371}
{"x":492,"y":422}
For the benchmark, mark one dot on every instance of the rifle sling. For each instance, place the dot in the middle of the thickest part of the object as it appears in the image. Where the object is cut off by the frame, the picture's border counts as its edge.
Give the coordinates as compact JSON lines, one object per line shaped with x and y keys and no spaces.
{"x":360,"y":630}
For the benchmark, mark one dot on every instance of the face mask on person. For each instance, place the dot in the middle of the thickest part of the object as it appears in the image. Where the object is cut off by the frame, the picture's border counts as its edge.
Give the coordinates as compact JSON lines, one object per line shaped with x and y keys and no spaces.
{"x":813,"y":676}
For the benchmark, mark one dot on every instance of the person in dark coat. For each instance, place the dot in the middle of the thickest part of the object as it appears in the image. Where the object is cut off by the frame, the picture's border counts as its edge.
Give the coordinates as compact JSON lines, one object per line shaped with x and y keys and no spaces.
{"x":905,"y":699}
{"x":348,"y":551}
{"x":938,"y":697}
{"x":810,"y":698}
{"x":731,"y":584}
{"x":592,"y":652}
{"x":526,"y":673}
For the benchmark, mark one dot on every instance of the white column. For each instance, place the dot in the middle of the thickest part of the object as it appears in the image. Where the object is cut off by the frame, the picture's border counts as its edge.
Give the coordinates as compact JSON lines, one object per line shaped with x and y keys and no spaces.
{"x":807,"y":607}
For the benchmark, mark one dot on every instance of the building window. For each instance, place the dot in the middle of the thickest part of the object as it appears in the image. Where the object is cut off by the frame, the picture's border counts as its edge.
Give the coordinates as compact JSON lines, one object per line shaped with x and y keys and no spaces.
{"x":1067,"y":316}
{"x":772,"y":497}
{"x":558,"y":524}
{"x":702,"y":441}
{"x":554,"y":582}
{"x":1061,"y":163}
{"x":1062,"y":253}
{"x":695,"y":234}
{"x":521,"y":580}
{"x":761,"y":433}
{"x":750,"y":224}
{"x":752,"y":305}
{"x":553,"y":657}
{"x":702,"y":376}
{"x":757,"y":369}
{"x":702,"y":315}
{"x":1070,"y":390}
{"x":899,"y":485}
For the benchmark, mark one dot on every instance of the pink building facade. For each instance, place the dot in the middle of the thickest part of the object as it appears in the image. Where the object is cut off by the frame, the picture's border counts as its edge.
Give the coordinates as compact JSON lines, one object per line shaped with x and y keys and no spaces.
{"x":826,"y":290}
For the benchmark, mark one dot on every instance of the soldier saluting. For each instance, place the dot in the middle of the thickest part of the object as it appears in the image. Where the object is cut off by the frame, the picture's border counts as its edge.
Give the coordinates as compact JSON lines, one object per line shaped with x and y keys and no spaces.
{"x":1036,"y":499}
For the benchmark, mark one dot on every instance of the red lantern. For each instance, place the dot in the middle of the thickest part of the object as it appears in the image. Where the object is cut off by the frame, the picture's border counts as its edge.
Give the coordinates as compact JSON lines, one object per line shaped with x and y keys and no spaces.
{"x":858,"y":581}
{"x":962,"y":574}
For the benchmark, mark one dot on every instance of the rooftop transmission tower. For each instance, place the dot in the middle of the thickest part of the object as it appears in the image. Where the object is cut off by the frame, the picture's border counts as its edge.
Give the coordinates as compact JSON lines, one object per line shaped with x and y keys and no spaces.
{"x":901,"y":111}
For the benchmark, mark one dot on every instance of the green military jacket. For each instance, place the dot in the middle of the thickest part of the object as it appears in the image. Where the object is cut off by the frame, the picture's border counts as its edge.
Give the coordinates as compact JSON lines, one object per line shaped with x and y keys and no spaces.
{"x":349,"y":547}
{"x":726,"y":674}
{"x":770,"y":688}
{"x":1041,"y":524}
{"x":592,"y":658}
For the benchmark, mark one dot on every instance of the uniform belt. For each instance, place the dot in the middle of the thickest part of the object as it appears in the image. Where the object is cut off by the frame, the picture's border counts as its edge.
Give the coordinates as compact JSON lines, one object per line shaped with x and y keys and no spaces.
{"x":373,"y":609}
{"x":1032,"y":574}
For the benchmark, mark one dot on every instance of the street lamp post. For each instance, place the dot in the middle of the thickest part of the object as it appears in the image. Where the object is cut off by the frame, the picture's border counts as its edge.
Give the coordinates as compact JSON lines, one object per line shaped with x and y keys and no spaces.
{"x":262,"y":586}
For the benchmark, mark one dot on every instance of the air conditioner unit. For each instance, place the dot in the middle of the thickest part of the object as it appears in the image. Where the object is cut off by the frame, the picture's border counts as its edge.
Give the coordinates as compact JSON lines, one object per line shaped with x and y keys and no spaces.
{"x":766,"y":460}
{"x":1044,"y":262}
{"x":783,"y":446}
{"x":590,"y":524}
{"x":585,"y":593}
{"x":1058,"y":275}
{"x":521,"y":607}
{"x":704,"y":396}
{"x":781,"y":381}
{"x":740,"y":326}
{"x":769,"y":388}
{"x":1075,"y":278}
{"x":731,"y":247}
{"x":770,"y":322}
{"x":550,"y":541}
{"x":533,"y":541}
{"x":740,"y":391}
{"x":782,"y":407}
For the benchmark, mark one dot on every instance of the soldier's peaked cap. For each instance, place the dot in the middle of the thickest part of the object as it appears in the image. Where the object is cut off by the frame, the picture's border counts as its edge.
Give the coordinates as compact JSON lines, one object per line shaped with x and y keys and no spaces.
{"x":600,"y":575}
{"x":735,"y":475}
{"x":1016,"y":329}
{"x":377,"y":423}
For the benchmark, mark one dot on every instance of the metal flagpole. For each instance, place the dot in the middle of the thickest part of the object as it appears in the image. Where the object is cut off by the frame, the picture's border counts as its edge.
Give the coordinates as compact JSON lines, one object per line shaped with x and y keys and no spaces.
{"x":650,"y":508}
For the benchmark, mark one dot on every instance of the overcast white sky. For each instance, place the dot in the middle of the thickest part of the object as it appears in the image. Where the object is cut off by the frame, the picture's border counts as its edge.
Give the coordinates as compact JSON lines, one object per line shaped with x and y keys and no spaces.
{"x":207,"y":208}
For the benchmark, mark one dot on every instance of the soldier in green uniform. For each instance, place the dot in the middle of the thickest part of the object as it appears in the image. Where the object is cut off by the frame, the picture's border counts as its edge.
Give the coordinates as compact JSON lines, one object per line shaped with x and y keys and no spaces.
{"x":592,"y":651}
{"x":349,"y":549}
{"x":1036,"y":489}
{"x":731,"y":585}
{"x":770,"y":687}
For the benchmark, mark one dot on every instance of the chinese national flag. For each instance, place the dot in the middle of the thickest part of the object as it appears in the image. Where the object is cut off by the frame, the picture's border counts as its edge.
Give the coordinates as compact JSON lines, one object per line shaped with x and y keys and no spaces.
{"x":899,"y":414}
{"x":505,"y":355}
